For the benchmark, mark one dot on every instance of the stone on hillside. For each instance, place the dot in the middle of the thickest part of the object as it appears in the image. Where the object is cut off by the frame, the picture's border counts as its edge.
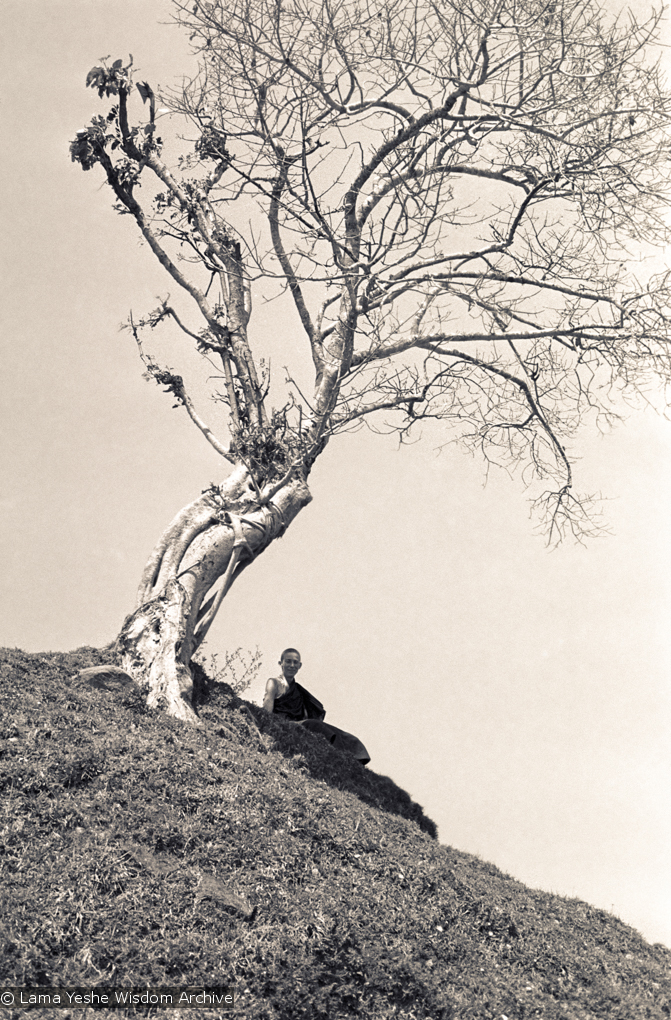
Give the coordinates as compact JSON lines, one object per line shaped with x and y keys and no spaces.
{"x":106,"y":678}
{"x":214,"y":889}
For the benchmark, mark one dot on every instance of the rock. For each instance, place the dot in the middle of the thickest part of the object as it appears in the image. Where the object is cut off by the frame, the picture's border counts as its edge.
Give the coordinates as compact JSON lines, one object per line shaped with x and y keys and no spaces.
{"x":106,"y":678}
{"x":212,"y":888}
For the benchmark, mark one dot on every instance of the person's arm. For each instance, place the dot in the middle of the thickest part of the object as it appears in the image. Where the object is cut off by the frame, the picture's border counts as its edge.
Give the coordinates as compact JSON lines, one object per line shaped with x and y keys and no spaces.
{"x":270,"y":695}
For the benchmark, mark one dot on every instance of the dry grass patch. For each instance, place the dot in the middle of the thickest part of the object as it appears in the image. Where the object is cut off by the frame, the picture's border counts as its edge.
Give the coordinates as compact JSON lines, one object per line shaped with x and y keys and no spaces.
{"x":136,"y":851}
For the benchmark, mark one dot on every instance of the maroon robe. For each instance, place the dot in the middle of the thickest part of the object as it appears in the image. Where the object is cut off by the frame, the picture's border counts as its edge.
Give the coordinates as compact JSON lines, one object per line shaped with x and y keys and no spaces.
{"x":298,"y":704}
{"x":301,"y":706}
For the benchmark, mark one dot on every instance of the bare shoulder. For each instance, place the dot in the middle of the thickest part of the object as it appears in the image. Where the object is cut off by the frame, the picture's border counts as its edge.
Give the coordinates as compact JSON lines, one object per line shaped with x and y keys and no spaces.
{"x":272,"y":686}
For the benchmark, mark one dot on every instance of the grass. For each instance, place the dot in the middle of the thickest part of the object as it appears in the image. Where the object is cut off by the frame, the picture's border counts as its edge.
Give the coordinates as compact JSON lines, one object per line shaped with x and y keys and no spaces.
{"x":136,"y":851}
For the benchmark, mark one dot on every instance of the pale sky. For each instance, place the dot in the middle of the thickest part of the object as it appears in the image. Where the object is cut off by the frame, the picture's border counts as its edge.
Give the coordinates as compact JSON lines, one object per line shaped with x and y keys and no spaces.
{"x":520,"y":695}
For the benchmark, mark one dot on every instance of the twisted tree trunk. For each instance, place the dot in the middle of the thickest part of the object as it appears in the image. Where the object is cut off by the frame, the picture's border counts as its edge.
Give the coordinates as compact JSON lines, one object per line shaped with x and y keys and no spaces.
{"x":190,"y":571}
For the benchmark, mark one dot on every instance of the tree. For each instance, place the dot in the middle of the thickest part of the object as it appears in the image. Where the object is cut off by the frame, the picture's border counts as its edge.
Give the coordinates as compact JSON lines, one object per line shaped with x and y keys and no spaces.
{"x":447,"y":193}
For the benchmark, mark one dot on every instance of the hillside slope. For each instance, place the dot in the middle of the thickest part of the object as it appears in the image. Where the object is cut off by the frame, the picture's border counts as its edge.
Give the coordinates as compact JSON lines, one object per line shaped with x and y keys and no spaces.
{"x":135,"y":851}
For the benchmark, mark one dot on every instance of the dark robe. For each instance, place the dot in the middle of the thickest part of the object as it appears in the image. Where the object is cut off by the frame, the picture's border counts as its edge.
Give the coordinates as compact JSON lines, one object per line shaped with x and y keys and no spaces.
{"x":298,"y":704}
{"x":339,"y":738}
{"x":301,"y":706}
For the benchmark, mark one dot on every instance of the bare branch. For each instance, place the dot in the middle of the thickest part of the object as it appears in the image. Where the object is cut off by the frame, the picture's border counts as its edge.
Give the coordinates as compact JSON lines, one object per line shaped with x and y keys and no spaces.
{"x":450,"y":197}
{"x":175,"y":384}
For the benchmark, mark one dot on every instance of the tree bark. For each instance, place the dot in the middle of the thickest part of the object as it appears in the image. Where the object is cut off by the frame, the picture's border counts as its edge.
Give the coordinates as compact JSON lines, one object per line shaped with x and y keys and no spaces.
{"x":189,"y":573}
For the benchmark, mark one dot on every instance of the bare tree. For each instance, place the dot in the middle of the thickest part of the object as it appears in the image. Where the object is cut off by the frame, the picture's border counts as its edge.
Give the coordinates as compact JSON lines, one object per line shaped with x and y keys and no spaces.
{"x":447,"y":192}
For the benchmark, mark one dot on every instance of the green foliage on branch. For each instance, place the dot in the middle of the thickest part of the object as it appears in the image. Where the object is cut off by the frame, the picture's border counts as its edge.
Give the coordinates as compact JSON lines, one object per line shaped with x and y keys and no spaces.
{"x":91,"y":142}
{"x":109,"y":81}
{"x":268,"y":450}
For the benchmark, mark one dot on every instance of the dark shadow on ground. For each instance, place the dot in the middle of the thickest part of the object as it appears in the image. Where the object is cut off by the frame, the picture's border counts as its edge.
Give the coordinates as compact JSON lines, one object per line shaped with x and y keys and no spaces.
{"x":314,"y":754}
{"x":340,"y":770}
{"x":64,"y":673}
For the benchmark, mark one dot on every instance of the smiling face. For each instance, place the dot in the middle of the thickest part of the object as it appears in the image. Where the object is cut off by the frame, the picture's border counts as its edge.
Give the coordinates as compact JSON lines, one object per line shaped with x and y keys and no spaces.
{"x":290,"y":663}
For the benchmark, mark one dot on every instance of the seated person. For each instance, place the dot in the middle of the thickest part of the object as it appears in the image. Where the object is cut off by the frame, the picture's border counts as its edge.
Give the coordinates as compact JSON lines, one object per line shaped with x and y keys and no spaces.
{"x":285,"y":697}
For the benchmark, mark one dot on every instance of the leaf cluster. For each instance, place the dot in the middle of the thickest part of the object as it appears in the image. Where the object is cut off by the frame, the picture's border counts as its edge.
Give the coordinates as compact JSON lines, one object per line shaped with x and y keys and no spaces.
{"x":171,"y":382}
{"x":109,"y":81}
{"x":211,"y":145}
{"x":269,"y":450}
{"x":86,"y":146}
{"x":91,"y":142}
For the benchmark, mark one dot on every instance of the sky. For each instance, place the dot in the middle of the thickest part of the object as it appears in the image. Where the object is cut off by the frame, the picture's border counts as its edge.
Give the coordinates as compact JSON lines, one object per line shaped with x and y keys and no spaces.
{"x":520,"y":694}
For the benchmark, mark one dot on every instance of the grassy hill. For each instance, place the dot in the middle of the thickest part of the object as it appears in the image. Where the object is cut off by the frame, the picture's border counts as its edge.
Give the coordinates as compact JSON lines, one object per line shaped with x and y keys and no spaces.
{"x":135,"y":851}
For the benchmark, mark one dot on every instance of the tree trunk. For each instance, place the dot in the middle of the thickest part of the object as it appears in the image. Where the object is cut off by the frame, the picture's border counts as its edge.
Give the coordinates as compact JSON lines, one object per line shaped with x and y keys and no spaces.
{"x":191,"y":569}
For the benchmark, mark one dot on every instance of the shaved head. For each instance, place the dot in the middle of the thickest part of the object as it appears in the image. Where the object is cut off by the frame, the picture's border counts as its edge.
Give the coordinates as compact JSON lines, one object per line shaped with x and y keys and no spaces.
{"x":286,"y":652}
